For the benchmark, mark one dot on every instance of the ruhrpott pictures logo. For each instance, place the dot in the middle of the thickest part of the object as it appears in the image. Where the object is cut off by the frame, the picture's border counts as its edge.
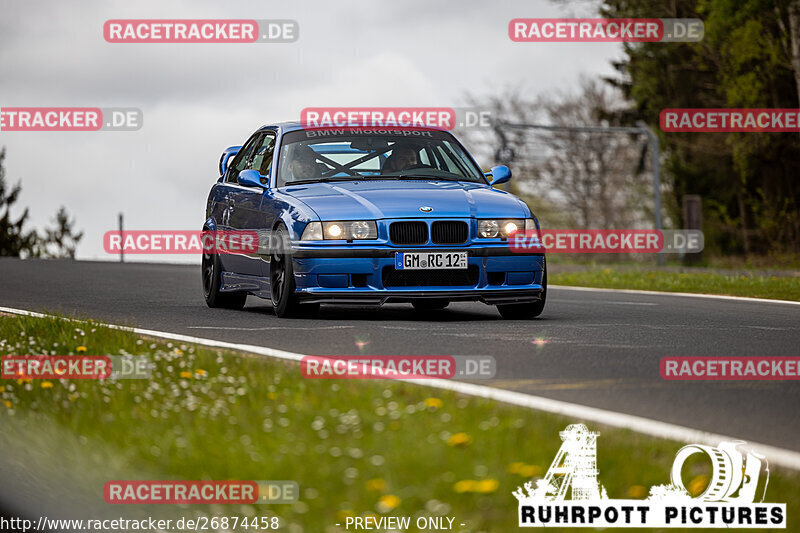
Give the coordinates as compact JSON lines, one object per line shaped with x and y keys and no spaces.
{"x":739,"y":477}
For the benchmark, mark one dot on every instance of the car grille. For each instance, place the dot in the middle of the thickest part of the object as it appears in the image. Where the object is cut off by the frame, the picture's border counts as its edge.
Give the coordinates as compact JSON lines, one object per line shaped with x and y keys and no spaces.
{"x":408,"y":232}
{"x":449,"y":232}
{"x":430,"y":278}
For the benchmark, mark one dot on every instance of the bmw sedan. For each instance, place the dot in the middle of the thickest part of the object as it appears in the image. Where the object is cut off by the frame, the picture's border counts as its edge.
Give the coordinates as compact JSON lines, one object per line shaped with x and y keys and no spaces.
{"x":366,"y":217}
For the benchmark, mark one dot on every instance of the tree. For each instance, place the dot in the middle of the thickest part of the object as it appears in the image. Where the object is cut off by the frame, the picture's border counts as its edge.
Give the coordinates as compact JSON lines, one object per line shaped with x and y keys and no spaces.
{"x":569,"y":178}
{"x":14,"y":240}
{"x":595,"y":175}
{"x":60,"y":241}
{"x":747,"y":59}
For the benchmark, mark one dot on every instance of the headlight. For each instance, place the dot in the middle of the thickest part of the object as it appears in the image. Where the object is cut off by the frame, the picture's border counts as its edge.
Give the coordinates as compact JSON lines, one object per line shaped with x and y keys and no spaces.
{"x":489,"y":228}
{"x":347,"y":230}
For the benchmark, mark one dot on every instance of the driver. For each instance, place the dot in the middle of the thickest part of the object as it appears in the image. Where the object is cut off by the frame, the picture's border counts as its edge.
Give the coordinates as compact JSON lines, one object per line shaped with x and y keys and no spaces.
{"x":404,"y":157}
{"x":303,"y":165}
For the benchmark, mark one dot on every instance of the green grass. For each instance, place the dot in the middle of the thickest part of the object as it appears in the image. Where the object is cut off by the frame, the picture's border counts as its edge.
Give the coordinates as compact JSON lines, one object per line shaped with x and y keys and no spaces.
{"x":350,"y":445}
{"x":609,"y":277}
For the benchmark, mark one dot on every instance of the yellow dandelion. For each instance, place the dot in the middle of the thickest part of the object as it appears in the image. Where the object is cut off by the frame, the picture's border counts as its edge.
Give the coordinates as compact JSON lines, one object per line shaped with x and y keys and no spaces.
{"x":201,"y":372}
{"x":514,"y":468}
{"x":176,"y":351}
{"x":7,"y":404}
{"x":80,"y":349}
{"x":637,"y":491}
{"x":486,"y":486}
{"x":2,"y":389}
{"x":186,"y":374}
{"x":697,"y":485}
{"x":435,"y":403}
{"x":530,"y":470}
{"x":465,"y":485}
{"x":47,"y":384}
{"x":607,"y":271}
{"x":271,"y":395}
{"x":23,"y":380}
{"x":375,"y":484}
{"x":459,"y":440}
{"x":388,"y":502}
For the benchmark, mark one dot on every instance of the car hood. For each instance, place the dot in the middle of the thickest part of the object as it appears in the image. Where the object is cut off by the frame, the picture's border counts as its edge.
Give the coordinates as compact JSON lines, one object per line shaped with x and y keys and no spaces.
{"x":352,"y":200}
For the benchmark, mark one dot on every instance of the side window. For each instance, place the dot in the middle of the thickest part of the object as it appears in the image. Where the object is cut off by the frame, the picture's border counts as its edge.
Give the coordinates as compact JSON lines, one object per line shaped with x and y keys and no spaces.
{"x":261,"y":160}
{"x":245,"y":154}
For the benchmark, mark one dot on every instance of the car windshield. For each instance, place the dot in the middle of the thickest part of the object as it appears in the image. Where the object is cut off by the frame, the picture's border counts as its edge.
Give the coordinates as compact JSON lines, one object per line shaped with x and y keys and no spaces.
{"x":336,"y":155}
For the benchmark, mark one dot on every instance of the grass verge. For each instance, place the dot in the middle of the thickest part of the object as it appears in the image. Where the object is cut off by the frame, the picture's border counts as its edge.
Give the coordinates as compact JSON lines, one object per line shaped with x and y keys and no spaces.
{"x":354,"y":447}
{"x":753,"y":286}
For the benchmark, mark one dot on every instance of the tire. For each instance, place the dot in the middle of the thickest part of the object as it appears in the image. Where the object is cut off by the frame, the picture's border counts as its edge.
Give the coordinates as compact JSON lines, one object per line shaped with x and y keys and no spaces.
{"x":430,"y":304}
{"x":212,"y":279}
{"x":527,"y":310}
{"x":285,"y":302}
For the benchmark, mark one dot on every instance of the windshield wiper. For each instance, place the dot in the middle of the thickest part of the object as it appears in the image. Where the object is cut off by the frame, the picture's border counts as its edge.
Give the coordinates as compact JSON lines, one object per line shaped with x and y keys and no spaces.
{"x":422,"y":177}
{"x":319,"y":180}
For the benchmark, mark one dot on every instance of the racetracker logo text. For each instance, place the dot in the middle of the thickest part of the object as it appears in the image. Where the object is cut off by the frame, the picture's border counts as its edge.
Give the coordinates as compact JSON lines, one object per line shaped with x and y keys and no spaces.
{"x":727,"y":501}
{"x":625,"y":30}
{"x":597,"y":241}
{"x":70,"y":119}
{"x":200,"y":31}
{"x":378,"y":117}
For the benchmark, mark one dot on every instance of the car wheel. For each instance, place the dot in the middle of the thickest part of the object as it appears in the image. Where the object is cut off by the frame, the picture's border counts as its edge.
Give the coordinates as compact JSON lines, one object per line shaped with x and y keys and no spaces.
{"x":524,"y":311}
{"x":212,"y":279}
{"x":281,"y":282}
{"x":430,"y":304}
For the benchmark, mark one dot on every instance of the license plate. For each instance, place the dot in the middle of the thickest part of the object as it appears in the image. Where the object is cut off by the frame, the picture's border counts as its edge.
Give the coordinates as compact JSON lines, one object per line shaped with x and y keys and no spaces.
{"x":430,"y":260}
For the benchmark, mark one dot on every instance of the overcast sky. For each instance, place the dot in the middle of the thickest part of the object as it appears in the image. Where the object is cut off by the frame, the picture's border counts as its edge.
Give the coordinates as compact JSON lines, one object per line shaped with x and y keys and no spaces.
{"x":198,"y":99}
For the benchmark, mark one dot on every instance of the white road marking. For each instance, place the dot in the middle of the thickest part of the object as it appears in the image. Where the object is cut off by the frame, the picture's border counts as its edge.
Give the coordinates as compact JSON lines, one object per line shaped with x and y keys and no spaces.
{"x":646,"y":426}
{"x":267,"y":328}
{"x":611,"y":302}
{"x":686,"y":294}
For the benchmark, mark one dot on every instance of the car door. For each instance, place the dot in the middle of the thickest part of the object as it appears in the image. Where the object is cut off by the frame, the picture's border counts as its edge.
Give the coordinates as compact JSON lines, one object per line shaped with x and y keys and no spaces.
{"x":231,"y":193}
{"x":245,"y":202}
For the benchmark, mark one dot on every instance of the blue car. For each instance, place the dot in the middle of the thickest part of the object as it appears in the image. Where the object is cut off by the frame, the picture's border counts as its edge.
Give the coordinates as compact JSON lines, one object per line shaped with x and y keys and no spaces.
{"x":362,"y":217}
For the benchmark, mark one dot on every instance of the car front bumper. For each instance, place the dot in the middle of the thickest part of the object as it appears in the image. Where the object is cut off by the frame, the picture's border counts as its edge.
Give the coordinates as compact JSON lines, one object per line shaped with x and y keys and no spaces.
{"x":367,"y":276}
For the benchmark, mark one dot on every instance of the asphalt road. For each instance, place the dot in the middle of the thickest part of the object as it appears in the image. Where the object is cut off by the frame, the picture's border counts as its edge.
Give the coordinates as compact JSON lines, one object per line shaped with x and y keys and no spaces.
{"x":599,"y":349}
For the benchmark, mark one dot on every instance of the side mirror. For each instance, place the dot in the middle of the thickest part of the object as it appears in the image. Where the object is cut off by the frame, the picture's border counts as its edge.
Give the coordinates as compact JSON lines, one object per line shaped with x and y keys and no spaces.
{"x":499,"y":174}
{"x":227,"y":155}
{"x":251,"y":178}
